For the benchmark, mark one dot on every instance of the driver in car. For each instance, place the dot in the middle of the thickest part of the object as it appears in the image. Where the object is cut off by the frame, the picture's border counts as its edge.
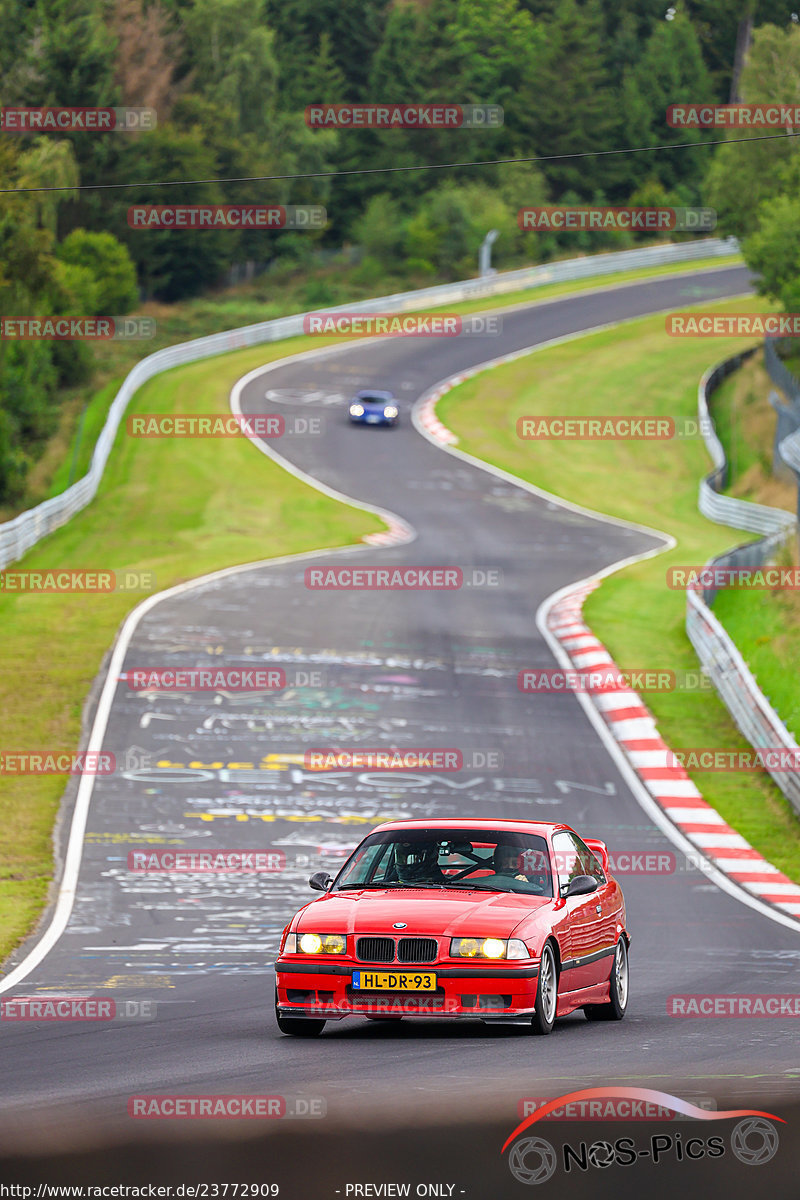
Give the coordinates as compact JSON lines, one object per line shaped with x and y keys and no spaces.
{"x":418,"y":862}
{"x":506,"y":861}
{"x":525,"y":866}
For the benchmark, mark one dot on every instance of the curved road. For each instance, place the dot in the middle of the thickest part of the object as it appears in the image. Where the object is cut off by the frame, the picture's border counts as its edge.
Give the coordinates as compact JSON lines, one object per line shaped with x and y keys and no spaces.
{"x":422,"y":668}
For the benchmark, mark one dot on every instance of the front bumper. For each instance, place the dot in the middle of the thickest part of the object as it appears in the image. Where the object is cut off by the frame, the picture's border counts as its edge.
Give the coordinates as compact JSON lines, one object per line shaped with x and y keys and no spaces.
{"x":324,"y":991}
{"x":373,"y":419}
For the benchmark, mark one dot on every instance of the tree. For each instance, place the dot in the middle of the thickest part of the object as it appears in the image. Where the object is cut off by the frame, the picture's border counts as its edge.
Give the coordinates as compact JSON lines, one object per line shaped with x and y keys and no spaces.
{"x":355,"y":31}
{"x":670,"y":69}
{"x":773,"y":250}
{"x":567,"y":106}
{"x":380,"y":229}
{"x":110,"y":266}
{"x":747,"y":172}
{"x":48,"y":163}
{"x":718,"y":23}
{"x":233,"y":60}
{"x":147,"y":53}
{"x":172,"y":263}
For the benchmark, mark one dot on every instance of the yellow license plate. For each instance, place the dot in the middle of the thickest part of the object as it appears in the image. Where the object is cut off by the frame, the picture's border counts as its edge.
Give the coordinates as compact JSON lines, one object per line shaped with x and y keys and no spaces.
{"x":394,"y":981}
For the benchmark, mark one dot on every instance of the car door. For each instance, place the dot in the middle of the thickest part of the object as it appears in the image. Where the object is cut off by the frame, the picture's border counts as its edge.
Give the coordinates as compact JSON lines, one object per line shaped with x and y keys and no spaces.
{"x":584,"y":962}
{"x":609,"y":897}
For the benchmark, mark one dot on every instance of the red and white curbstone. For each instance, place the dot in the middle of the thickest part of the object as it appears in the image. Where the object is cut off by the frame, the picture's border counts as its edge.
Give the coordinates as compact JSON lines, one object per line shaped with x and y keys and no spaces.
{"x":431,"y":423}
{"x":397,"y":533}
{"x":632,"y":725}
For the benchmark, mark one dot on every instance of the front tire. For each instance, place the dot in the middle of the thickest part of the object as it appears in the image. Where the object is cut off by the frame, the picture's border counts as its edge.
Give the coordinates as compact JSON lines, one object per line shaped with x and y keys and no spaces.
{"x":544,"y":1015}
{"x":298,"y":1026}
{"x":614,"y":1010}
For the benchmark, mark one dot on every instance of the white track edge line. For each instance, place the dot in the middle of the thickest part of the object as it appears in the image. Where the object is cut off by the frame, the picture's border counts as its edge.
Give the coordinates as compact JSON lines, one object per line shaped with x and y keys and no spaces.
{"x":72,"y":861}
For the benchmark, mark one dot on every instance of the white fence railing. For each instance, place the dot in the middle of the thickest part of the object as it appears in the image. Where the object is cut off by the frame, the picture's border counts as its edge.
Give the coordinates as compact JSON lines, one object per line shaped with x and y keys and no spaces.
{"x":23,"y":532}
{"x":726,"y":510}
{"x":719,"y":657}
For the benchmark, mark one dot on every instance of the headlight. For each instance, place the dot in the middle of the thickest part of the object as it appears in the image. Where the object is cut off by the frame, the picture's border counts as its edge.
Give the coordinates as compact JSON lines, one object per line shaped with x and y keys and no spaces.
{"x":315,"y":943}
{"x":356,"y":410}
{"x":390,"y":411}
{"x":488,"y":948}
{"x":477,"y":948}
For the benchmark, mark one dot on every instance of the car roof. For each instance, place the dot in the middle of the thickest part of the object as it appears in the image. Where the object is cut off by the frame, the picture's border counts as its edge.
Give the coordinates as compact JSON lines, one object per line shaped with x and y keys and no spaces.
{"x":505,"y":824}
{"x":374,"y":394}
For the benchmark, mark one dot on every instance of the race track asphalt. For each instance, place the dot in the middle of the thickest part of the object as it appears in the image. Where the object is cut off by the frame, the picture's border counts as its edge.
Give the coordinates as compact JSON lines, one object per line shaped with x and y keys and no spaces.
{"x":369,"y":669}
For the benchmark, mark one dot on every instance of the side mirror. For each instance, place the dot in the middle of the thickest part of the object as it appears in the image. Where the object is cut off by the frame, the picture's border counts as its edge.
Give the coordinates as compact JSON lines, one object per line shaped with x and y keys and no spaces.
{"x":320,"y":881}
{"x":581,"y":885}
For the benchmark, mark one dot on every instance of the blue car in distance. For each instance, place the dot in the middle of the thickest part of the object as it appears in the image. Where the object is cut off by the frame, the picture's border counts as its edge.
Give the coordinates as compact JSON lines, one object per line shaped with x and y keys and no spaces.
{"x":373,"y":408}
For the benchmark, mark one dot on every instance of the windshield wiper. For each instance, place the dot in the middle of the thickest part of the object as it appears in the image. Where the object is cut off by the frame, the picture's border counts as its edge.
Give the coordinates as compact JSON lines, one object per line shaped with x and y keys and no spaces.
{"x":357,"y":887}
{"x":392,"y":884}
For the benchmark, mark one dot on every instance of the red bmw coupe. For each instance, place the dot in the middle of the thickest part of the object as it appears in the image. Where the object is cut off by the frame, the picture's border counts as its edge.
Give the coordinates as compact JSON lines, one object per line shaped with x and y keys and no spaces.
{"x":504,"y":921}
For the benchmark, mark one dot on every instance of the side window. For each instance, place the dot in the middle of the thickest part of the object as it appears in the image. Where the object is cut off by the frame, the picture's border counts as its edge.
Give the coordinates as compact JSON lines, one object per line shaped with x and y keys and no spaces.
{"x":364,"y":862}
{"x":590,"y":861}
{"x":381,"y":863}
{"x":574,"y":858}
{"x":567,"y":861}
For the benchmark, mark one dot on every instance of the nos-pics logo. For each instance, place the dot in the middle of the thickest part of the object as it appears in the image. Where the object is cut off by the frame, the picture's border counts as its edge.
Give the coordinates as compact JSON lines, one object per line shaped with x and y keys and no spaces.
{"x":533,"y":1160}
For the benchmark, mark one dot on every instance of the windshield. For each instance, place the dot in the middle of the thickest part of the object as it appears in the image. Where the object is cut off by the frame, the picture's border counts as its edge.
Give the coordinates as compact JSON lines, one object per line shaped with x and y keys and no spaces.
{"x":374,"y":400}
{"x":479,"y":859}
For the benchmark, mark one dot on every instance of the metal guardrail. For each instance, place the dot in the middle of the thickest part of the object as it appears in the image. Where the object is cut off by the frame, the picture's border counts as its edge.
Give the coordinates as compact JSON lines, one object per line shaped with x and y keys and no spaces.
{"x":779,"y":373}
{"x":790,"y":451}
{"x":719,"y":657}
{"x":747,"y":704}
{"x":20,"y":534}
{"x":726,"y":510}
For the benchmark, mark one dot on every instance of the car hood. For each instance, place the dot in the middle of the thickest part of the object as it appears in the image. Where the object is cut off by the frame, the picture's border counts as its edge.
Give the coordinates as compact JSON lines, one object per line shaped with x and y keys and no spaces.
{"x":425,"y":912}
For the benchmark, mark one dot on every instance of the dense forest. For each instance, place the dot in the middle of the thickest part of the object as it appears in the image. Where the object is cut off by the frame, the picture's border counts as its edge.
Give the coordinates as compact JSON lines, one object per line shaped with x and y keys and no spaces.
{"x":230,"y":80}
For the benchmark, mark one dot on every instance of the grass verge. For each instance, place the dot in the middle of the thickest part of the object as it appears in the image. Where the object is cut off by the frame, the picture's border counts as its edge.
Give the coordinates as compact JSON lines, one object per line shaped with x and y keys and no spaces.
{"x":765,"y":625}
{"x":167,"y":506}
{"x":632,"y":370}
{"x":67,"y":454}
